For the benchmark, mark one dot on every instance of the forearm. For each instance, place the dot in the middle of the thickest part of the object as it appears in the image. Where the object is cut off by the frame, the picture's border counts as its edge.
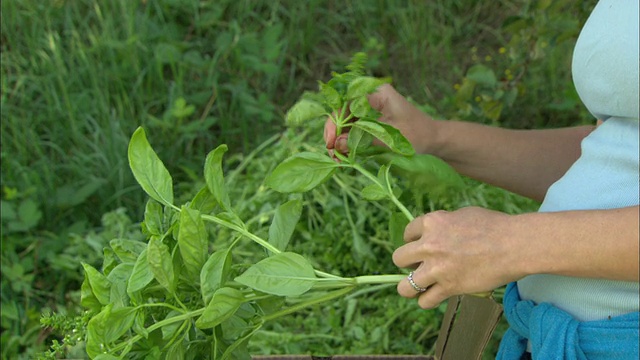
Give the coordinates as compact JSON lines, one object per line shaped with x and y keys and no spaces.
{"x":526,"y":162}
{"x":591,"y":243}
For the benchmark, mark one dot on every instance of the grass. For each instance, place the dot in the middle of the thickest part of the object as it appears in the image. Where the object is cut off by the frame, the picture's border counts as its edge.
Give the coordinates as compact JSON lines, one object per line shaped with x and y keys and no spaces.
{"x":77,"y":77}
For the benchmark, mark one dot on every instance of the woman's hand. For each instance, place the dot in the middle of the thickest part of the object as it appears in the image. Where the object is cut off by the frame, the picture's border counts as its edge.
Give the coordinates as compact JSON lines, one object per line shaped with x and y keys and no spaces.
{"x":471,"y":250}
{"x":415,"y":125}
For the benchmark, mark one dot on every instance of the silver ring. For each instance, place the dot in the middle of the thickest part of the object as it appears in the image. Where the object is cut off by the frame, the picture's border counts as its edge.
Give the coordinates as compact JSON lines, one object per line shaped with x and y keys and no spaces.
{"x":414,"y":285}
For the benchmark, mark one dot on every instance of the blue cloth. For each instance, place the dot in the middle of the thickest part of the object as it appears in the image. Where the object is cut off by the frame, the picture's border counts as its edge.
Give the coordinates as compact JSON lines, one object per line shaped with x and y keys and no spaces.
{"x":554,"y":334}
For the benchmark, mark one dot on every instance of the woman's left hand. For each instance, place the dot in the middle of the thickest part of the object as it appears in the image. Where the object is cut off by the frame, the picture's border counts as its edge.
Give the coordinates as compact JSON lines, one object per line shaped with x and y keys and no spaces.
{"x":466,"y":251}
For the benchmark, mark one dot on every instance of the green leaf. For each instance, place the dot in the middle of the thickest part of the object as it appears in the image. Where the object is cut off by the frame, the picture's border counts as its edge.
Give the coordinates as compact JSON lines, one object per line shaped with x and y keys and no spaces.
{"x":88,"y":300}
{"x":397,"y":223}
{"x":127,"y":250}
{"x":215,"y":273}
{"x":331,"y":96}
{"x":141,"y":275}
{"x":106,"y":327}
{"x":153,"y":216}
{"x":224,"y":303}
{"x":118,"y":278}
{"x":482,"y":75}
{"x":169,"y":330}
{"x":303,"y":111}
{"x":161,"y":263}
{"x":386,"y":133}
{"x":301,"y":172}
{"x":193,"y":241}
{"x":362,"y":86}
{"x":149,"y":170}
{"x":425,"y":173}
{"x":360,"y":107}
{"x":373,"y":192}
{"x":284,"y":223}
{"x":106,"y":357}
{"x":100,"y":285}
{"x":215,"y":178}
{"x":204,"y":201}
{"x":284,"y":274}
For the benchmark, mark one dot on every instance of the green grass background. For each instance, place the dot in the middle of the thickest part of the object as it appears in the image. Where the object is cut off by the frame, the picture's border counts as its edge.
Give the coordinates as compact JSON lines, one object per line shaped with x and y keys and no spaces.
{"x":78,"y":76}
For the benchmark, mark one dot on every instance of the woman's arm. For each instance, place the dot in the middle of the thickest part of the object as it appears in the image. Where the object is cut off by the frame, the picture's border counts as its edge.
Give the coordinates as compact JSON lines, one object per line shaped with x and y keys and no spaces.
{"x":526,"y":162}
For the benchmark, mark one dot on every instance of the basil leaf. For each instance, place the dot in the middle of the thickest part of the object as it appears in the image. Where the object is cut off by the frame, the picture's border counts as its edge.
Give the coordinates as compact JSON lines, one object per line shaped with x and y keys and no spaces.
{"x":284,"y":274}
{"x":363,"y":85}
{"x":127,"y":250}
{"x":387,"y":134}
{"x":169,"y":330}
{"x":161,"y":263}
{"x":284,"y":223}
{"x":224,"y":303}
{"x":331,"y":96}
{"x":100,"y":285}
{"x":397,"y":223}
{"x":193,"y":241}
{"x":88,"y":299}
{"x":108,"y":326}
{"x":141,"y":275}
{"x":360,"y":107}
{"x":214,"y":177}
{"x":153,"y":216}
{"x":148,"y":169}
{"x":118,"y":278}
{"x":304,"y":111}
{"x":215,"y":273}
{"x":204,"y":201}
{"x":301,"y":172}
{"x":373,"y":192}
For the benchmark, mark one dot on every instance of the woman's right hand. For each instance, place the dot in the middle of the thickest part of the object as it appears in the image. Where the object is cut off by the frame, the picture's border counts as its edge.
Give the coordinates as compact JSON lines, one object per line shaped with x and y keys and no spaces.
{"x":397,"y":111}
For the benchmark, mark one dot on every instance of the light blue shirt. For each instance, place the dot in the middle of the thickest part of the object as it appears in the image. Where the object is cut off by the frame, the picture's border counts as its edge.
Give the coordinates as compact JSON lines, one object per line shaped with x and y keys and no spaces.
{"x":605,"y":71}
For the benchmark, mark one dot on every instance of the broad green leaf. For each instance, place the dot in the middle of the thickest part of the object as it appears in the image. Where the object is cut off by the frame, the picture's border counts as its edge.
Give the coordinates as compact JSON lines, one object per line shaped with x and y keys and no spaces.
{"x":149,"y":170}
{"x":177,"y":350}
{"x":373,"y":192}
{"x":223,"y":304}
{"x":301,"y":172}
{"x":88,"y":299}
{"x":237,"y":350}
{"x":387,"y":134}
{"x":303,"y":111}
{"x":161,"y":263}
{"x":362,"y":86}
{"x":426,"y":172}
{"x":358,"y":141}
{"x":215,"y":273}
{"x":127,"y":250}
{"x":482,"y":75}
{"x":169,"y":330}
{"x":118,"y":278}
{"x":100,"y":285}
{"x":138,"y":324}
{"x":214,"y":176}
{"x":193,"y":241}
{"x":397,"y":223}
{"x":141,"y":275}
{"x":153,"y":216}
{"x":331,"y":96}
{"x":109,"y":260}
{"x":284,"y":223}
{"x":204,"y":201}
{"x":106,"y":357}
{"x":108,"y":326}
{"x":284,"y":274}
{"x":360,"y":107}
